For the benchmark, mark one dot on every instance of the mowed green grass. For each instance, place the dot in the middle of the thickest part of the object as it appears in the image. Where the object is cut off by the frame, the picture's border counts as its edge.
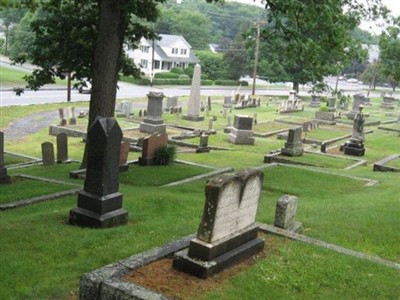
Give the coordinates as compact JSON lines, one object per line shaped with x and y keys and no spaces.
{"x":12,"y":78}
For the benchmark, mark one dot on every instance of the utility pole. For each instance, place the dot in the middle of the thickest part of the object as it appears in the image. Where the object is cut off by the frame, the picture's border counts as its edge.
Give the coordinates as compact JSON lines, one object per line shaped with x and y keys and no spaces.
{"x":152,"y":62}
{"x":256,"y":54}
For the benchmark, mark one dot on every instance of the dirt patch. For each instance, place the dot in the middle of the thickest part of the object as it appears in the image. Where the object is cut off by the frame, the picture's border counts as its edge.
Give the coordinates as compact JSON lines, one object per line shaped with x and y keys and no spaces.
{"x":335,"y":151}
{"x":160,"y":277}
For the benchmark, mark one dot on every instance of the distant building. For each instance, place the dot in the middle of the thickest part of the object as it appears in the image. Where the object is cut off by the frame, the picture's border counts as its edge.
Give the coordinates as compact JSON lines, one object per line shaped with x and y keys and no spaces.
{"x":171,"y":51}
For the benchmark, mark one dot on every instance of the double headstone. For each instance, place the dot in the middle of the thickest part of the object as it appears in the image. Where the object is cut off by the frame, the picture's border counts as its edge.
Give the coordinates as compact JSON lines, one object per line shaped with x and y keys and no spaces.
{"x":100,"y":203}
{"x":4,"y":178}
{"x":293,"y":145}
{"x":227,"y":233}
{"x":150,"y":145}
{"x":194,"y":99}
{"x":242,"y":131}
{"x":153,"y":121}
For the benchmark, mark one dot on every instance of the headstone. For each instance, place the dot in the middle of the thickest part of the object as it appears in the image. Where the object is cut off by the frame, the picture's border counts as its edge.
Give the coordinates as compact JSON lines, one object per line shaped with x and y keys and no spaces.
{"x":255,"y":118}
{"x":355,"y":146}
{"x":332,"y":104}
{"x":4,"y":177}
{"x":62,"y":148}
{"x":315,"y":101}
{"x":47,"y":154}
{"x":153,"y":121}
{"x":227,"y":102}
{"x":100,"y":203}
{"x":209,"y":103}
{"x":194,"y":99}
{"x":358,"y":99}
{"x":207,"y":111}
{"x":150,"y":146}
{"x":203,"y":146}
{"x":63,"y":121}
{"x":242,"y":131}
{"x":172,"y":102}
{"x":127,"y":108}
{"x":72,"y":119}
{"x":81,"y":114}
{"x":202,"y":106}
{"x":140,"y":114}
{"x":285,"y":214}
{"x":387,"y":102}
{"x":210,"y":124}
{"x":293,"y":146}
{"x":145,"y":112}
{"x":224,"y":112}
{"x":123,"y":156}
{"x":258,"y":101}
{"x":227,"y":233}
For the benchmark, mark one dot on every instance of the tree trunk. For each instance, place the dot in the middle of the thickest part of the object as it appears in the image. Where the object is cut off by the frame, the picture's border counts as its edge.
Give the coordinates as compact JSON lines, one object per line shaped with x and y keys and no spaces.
{"x":296,"y":86}
{"x":6,"y":41}
{"x":106,"y":61}
{"x":69,"y":87}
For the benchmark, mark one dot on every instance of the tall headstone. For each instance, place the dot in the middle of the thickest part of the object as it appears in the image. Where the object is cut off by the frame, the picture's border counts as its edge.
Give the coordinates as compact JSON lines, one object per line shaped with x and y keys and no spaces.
{"x":63,"y":121}
{"x":209,"y":103}
{"x":172,"y":102}
{"x":62,"y":148}
{"x":47,"y":154}
{"x":194,"y":99}
{"x":355,"y":146}
{"x":242,"y":131}
{"x":358,"y":99}
{"x":100,"y":203}
{"x":203,"y":146}
{"x":332,"y":104}
{"x":293,"y":146}
{"x":4,"y":178}
{"x":153,"y":121}
{"x":315,"y":101}
{"x":150,"y":145}
{"x":227,"y":233}
{"x":285,"y":213}
{"x":72,"y":119}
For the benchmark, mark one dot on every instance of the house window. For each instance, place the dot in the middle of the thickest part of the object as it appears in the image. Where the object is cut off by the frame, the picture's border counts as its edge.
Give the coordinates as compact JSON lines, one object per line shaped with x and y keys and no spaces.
{"x":144,"y":49}
{"x":183,"y":51}
{"x":175,"y":50}
{"x":143,"y":63}
{"x":156,"y":64}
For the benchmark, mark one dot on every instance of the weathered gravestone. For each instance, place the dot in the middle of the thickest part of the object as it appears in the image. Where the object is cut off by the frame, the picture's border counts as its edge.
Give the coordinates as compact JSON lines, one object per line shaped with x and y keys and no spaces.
{"x":203,"y":146}
{"x":285,"y":213}
{"x":209,"y":103}
{"x":194,"y":99}
{"x":72,"y":119}
{"x":242,"y":131}
{"x":123,"y":156}
{"x":355,"y":146}
{"x":63,"y":121}
{"x":153,"y":121}
{"x":387,"y":102}
{"x":315,"y":101}
{"x":100,"y":203}
{"x":293,"y":145}
{"x":4,"y":178}
{"x":172,"y":102}
{"x":47,"y":154}
{"x":62,"y":148}
{"x":227,"y":233}
{"x":332,"y":104}
{"x":150,"y":145}
{"x":228,"y":102}
{"x":358,"y":99}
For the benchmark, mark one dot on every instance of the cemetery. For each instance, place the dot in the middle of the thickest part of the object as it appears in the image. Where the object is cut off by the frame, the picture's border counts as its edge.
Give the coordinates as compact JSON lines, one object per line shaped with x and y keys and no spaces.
{"x":258,"y":201}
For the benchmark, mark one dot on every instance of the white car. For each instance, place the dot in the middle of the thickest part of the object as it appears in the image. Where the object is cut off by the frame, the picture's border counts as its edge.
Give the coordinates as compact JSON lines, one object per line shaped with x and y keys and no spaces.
{"x":352,"y":80}
{"x":85,"y":88}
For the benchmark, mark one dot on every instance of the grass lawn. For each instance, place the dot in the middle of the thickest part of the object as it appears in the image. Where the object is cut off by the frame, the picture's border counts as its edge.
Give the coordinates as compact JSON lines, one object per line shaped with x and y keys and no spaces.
{"x":10,"y":159}
{"x":12,"y":78}
{"x":42,"y":257}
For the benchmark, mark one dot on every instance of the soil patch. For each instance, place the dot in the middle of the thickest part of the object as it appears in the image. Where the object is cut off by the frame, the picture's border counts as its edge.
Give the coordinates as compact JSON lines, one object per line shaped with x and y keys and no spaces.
{"x":160,"y":277}
{"x":335,"y":151}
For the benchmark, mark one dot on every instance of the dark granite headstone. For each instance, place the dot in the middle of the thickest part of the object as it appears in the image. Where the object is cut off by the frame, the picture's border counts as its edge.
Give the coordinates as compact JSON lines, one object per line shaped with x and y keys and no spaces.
{"x":48,"y":154}
{"x":150,"y":146}
{"x":62,"y":148}
{"x":227,"y":233}
{"x":4,"y":178}
{"x":243,"y":122}
{"x":293,"y":146}
{"x":100,"y":203}
{"x":242,"y":131}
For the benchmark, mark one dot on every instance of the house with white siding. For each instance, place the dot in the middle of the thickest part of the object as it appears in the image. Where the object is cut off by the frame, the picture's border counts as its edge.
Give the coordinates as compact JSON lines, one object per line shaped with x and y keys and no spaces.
{"x":171,"y":51}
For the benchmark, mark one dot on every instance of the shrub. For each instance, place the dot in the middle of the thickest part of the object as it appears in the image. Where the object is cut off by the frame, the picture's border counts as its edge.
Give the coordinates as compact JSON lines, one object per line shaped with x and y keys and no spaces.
{"x":166,"y":75}
{"x":171,"y":81}
{"x":189,"y":71}
{"x":207,"y":82}
{"x":244,"y":83}
{"x":177,"y":71}
{"x":324,"y":109}
{"x":227,"y":82}
{"x":183,"y":76}
{"x":204,"y":76}
{"x":165,"y":155}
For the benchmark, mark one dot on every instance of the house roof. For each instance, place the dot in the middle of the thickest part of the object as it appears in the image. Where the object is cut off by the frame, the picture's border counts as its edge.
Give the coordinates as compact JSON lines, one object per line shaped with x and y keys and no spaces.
{"x":167,"y":40}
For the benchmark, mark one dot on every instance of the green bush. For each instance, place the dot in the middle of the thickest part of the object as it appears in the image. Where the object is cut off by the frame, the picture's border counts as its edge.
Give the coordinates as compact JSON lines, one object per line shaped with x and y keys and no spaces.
{"x":171,"y":81}
{"x":204,"y":77}
{"x":165,"y":155}
{"x":139,"y":81}
{"x":189,"y":71}
{"x":177,"y":71}
{"x":244,"y":83}
{"x":229,"y":82}
{"x":324,"y":109}
{"x":166,"y":75}
{"x":183,"y":76}
{"x":207,"y":82}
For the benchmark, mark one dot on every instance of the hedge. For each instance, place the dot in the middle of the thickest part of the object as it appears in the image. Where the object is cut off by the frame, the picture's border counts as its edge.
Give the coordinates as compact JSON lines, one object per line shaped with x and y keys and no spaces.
{"x":177,"y":71}
{"x":231,"y":82}
{"x":167,"y":75}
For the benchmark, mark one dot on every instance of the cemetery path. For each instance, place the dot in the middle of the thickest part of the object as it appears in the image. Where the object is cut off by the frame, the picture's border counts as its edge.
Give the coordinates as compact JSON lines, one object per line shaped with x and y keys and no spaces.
{"x":30,"y":124}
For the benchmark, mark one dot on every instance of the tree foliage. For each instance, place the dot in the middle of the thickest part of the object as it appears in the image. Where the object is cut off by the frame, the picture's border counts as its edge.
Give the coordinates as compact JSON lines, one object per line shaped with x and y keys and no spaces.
{"x":212,"y":64}
{"x":389,"y":45}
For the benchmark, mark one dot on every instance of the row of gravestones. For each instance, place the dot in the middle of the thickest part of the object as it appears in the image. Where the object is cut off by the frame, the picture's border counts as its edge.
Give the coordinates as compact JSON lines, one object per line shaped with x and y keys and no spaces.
{"x":67,"y":116}
{"x":227,"y":232}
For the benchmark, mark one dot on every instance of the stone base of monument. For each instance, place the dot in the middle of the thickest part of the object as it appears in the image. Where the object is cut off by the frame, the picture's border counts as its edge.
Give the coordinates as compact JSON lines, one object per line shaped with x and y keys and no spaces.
{"x":123,"y":167}
{"x":354,"y":147}
{"x":152,"y":128}
{"x":203,"y":260}
{"x":203,"y":150}
{"x":292,"y":149}
{"x":146,"y":161}
{"x":227,"y":129}
{"x":241,"y":137}
{"x":4,"y":178}
{"x":193,"y":118}
{"x":315,"y":104}
{"x":98,"y":212}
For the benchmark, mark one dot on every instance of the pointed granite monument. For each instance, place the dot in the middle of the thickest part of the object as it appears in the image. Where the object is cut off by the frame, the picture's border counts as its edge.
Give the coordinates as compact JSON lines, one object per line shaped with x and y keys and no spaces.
{"x":100,"y":203}
{"x":194,"y":100}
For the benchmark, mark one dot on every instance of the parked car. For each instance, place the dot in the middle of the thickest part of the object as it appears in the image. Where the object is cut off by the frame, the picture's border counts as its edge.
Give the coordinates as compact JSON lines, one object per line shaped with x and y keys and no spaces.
{"x":352,"y":80}
{"x":85,"y":87}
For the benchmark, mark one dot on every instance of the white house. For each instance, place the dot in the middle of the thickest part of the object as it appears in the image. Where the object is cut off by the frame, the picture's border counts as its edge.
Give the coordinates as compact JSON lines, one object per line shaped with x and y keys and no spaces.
{"x":171,"y":51}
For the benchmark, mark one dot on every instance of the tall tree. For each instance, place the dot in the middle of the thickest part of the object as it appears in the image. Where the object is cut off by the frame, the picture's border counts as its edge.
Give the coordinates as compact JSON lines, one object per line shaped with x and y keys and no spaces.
{"x":305,"y":40}
{"x":389,"y":45}
{"x":10,"y":16}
